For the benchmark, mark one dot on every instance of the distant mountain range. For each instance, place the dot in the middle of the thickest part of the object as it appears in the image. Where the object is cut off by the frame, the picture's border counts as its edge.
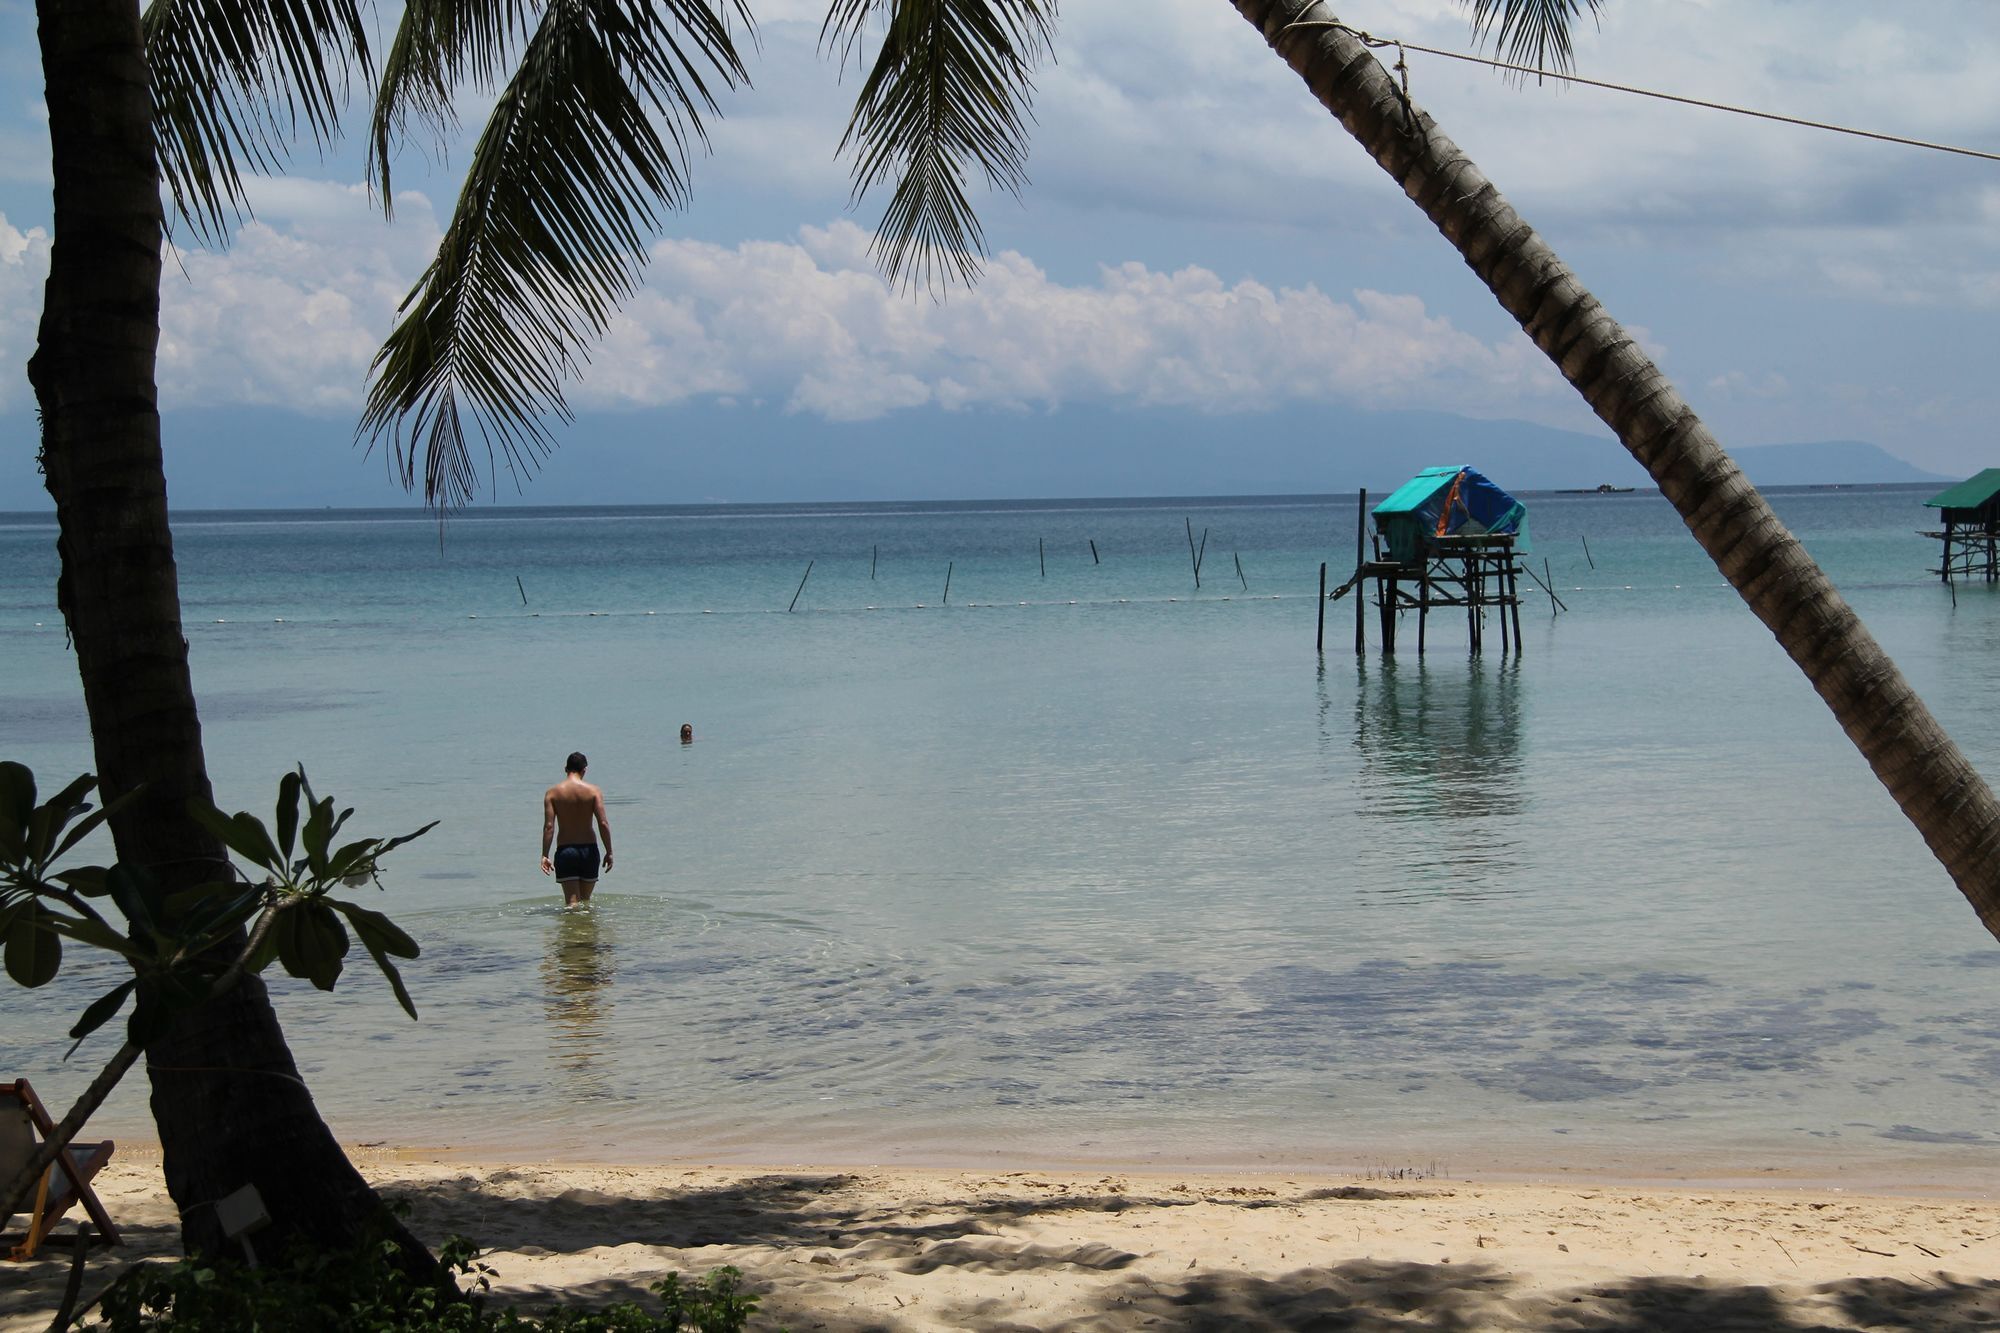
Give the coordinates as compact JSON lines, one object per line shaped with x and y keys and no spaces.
{"x":1831,"y":462}
{"x":705,"y":453}
{"x":255,"y":458}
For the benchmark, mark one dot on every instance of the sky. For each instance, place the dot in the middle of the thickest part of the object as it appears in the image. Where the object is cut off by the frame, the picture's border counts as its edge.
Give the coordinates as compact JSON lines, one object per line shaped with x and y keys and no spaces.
{"x":1198,"y":237}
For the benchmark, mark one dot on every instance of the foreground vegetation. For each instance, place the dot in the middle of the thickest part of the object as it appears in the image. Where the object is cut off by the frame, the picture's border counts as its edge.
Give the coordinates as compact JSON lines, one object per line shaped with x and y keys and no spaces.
{"x":368,"y":1288}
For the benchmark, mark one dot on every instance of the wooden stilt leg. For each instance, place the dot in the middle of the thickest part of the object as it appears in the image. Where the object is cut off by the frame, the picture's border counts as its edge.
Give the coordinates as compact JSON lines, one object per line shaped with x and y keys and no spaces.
{"x":1423,"y":605}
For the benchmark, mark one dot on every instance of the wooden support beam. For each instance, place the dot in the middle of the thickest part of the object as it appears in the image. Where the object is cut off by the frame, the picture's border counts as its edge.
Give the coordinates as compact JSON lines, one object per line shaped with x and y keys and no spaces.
{"x":1360,"y":559}
{"x":1423,"y":606}
{"x":1514,"y":599}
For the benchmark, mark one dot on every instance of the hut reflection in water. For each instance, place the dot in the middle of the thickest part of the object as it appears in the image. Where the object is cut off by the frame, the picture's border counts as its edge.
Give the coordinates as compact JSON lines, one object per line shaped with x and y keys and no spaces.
{"x":1441,"y":766}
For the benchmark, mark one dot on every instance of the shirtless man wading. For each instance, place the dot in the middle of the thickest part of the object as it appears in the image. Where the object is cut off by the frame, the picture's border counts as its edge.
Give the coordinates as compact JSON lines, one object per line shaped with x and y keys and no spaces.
{"x":568,"y":809}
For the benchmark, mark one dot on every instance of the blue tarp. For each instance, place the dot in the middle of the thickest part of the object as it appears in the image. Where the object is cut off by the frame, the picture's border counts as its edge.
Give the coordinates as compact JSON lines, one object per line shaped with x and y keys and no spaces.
{"x":1468,"y":503}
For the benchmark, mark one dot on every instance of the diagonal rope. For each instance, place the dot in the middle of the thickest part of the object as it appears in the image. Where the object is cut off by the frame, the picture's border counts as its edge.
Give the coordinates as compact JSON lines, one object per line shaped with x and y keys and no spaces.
{"x":1402,"y":46}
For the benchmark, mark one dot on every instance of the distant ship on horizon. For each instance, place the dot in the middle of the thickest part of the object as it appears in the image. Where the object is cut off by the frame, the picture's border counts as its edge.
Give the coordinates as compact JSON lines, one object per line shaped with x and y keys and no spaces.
{"x":1602,"y":488}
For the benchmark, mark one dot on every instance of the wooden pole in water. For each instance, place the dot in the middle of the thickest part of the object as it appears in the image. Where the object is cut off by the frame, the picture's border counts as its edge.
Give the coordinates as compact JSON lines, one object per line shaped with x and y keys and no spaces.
{"x":1360,"y":616}
{"x":874,"y":554}
{"x":1319,"y":634}
{"x":1202,"y":554}
{"x":1555,"y":603}
{"x":802,"y":585}
{"x":1500,"y":577}
{"x":1471,"y":607}
{"x":1423,"y":606}
{"x":1193,"y":559}
{"x":1514,"y":600}
{"x":1480,"y":593}
{"x":1042,"y":554}
{"x":947,"y":582}
{"x":1586,"y":549}
{"x":524,"y":591}
{"x":1238,"y":558}
{"x":1093,"y":552}
{"x":1360,"y":558}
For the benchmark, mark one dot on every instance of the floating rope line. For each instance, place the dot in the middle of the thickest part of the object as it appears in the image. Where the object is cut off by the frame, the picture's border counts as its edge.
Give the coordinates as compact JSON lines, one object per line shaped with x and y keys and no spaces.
{"x":1402,"y":67}
{"x":505,"y":616}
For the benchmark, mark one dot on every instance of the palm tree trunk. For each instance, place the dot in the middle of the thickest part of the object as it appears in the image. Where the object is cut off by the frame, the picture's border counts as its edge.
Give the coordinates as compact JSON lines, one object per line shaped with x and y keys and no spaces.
{"x":1935,"y":785}
{"x":226,"y":1095}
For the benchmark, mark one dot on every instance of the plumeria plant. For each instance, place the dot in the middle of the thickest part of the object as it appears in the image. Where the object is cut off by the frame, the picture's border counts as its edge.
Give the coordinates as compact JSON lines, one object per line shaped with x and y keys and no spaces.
{"x":188,"y":945}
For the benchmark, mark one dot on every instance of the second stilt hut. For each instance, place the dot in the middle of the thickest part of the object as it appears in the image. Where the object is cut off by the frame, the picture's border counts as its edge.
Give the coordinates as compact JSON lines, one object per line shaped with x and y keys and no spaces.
{"x":1971,"y":533}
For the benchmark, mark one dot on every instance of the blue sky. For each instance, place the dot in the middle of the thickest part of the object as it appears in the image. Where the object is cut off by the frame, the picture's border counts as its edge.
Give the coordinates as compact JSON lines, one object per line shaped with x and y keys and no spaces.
{"x":1198,"y":237}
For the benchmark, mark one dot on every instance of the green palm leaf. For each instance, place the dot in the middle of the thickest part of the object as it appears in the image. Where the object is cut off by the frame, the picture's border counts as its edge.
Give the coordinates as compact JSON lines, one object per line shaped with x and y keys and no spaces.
{"x":950,"y":89}
{"x":1531,"y":32}
{"x":235,"y":83}
{"x":590,"y":138}
{"x":439,"y":45}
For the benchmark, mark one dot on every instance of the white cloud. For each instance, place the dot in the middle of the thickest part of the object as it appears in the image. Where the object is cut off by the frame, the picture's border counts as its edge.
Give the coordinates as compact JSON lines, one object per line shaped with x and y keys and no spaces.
{"x":290,"y":317}
{"x":812,"y":324}
{"x":292,"y":314}
{"x":1177,"y":113}
{"x":1737,"y":384}
{"x":24,"y":268}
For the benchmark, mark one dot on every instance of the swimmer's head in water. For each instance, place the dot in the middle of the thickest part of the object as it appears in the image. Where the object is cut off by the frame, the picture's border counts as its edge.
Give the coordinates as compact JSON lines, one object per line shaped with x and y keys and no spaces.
{"x":687,"y":732}
{"x":576,"y":763}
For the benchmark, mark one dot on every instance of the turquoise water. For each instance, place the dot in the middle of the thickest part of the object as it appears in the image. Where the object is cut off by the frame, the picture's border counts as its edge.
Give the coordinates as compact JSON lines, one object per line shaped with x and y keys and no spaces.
{"x":1086,"y":864}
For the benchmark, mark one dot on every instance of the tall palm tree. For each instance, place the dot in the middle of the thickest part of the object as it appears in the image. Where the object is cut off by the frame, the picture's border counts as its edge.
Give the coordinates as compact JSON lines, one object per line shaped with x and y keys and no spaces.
{"x":599,"y":104}
{"x":227,"y":1097}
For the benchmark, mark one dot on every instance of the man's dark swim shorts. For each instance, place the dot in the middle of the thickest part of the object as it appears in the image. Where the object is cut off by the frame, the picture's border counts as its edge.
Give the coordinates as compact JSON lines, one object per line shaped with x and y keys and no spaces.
{"x":576,"y":860}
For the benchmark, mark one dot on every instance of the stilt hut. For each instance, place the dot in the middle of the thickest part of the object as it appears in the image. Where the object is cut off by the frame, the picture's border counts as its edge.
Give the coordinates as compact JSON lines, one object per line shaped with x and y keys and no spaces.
{"x":1971,"y":512}
{"x":1447,"y":537}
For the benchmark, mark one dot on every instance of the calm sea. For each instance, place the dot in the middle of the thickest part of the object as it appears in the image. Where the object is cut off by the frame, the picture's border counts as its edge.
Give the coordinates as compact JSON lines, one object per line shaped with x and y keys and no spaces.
{"x":1086,"y":864}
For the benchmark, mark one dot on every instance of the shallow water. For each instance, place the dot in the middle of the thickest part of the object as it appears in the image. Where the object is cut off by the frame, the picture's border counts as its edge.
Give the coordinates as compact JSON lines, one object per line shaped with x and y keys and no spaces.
{"x":1085,"y":864}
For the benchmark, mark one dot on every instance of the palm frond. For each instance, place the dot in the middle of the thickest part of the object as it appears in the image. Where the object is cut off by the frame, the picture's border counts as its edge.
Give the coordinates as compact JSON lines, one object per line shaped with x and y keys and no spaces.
{"x":438,"y":45}
{"x":236,"y":83}
{"x":950,"y":89}
{"x":589,"y":140}
{"x":1531,"y":32}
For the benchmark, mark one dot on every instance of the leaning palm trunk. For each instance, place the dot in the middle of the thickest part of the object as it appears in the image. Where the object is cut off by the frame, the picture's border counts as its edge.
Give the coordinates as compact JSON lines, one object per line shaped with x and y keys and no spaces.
{"x":226,"y":1095}
{"x":1923,"y":769}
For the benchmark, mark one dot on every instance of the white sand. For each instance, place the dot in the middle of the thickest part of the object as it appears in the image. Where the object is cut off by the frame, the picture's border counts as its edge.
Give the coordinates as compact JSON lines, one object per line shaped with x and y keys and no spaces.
{"x":923,"y":1249}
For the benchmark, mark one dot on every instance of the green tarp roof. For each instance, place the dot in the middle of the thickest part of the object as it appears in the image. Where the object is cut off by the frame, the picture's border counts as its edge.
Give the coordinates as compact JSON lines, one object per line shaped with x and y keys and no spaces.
{"x":1970,"y":493}
{"x":1410,"y":496}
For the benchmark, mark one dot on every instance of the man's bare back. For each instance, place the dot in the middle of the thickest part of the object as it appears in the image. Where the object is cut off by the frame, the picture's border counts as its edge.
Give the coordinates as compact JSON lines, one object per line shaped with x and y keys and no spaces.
{"x":572,"y":817}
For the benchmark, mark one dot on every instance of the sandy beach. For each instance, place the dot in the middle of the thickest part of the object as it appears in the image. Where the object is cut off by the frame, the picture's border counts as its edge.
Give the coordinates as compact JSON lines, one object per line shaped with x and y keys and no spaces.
{"x":906,"y":1249}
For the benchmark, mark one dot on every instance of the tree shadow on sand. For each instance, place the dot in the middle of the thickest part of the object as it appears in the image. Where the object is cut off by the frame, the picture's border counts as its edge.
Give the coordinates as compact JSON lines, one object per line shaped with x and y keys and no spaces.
{"x":777,"y":1209}
{"x":1369,"y":1296}
{"x":832,"y":1232}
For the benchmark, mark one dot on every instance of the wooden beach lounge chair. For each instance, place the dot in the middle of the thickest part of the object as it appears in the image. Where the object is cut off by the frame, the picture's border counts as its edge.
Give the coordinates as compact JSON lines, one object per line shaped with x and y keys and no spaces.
{"x":24,"y":1127}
